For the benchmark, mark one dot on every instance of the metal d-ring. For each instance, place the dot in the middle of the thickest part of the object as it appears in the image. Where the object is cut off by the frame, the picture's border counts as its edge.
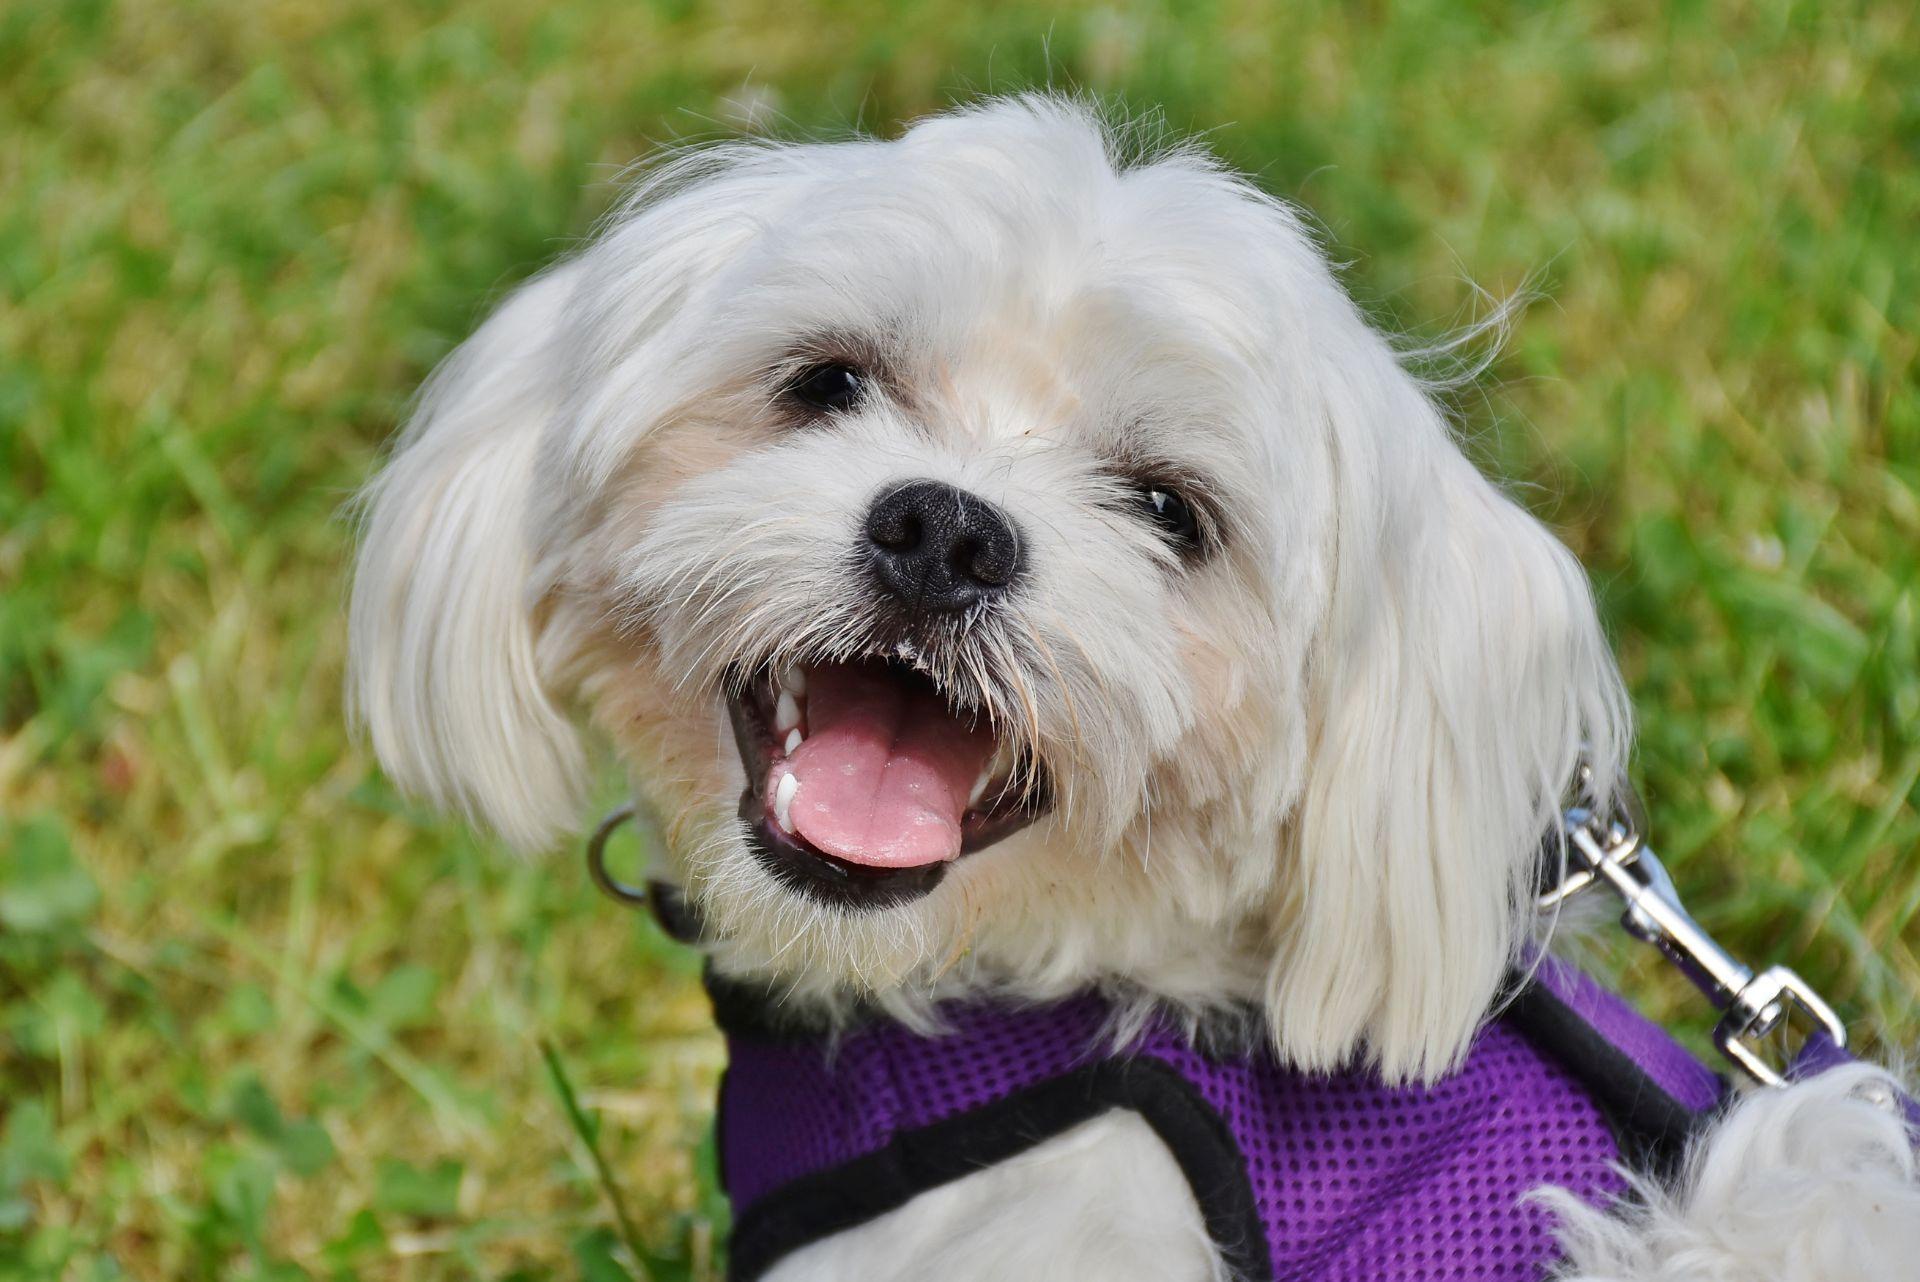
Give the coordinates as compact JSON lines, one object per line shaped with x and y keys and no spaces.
{"x":610,"y":885}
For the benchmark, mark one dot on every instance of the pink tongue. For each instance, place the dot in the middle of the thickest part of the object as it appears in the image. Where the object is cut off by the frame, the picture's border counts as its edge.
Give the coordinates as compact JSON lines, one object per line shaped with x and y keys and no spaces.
{"x":885,"y":770}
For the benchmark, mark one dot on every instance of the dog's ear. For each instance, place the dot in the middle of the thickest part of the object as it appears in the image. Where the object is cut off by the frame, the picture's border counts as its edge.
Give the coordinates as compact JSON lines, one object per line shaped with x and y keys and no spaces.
{"x":443,"y":672}
{"x":455,"y":650}
{"x":1462,"y":673}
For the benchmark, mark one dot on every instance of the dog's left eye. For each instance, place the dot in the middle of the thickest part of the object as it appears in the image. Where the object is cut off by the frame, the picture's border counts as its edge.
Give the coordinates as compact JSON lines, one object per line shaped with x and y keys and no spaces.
{"x":1173,"y":514}
{"x":829,"y":388}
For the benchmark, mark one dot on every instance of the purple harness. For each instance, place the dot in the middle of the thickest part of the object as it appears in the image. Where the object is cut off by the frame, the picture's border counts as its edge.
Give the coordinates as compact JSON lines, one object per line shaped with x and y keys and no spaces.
{"x":1298,"y":1176}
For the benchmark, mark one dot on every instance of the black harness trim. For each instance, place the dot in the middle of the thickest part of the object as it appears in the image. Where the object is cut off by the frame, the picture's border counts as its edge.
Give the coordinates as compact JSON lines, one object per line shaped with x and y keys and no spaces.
{"x":1651,"y":1127}
{"x":914,"y":1161}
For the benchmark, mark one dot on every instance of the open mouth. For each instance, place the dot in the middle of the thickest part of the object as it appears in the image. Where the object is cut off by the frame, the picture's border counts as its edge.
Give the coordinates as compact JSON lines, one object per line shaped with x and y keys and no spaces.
{"x":864,"y":783}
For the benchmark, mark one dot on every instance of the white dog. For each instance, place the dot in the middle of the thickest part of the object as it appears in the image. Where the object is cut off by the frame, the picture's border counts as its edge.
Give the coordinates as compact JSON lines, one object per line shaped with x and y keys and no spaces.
{"x":1013,"y":565}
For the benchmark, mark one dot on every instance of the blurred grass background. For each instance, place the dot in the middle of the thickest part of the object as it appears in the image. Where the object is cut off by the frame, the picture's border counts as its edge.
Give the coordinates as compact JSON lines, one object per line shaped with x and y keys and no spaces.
{"x":258,"y":1019}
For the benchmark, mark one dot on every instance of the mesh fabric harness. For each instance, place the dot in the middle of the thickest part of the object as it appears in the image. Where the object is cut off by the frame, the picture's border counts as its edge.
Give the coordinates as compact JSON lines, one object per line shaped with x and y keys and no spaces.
{"x":1298,"y":1176}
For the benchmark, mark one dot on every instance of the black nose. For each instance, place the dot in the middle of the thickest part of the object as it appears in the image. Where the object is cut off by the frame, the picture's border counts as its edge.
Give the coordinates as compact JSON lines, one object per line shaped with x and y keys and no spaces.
{"x":938,"y":548}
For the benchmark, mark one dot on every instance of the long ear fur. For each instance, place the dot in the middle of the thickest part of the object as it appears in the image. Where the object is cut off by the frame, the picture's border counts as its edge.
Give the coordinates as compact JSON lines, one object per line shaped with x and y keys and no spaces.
{"x":443,"y":673}
{"x":467,"y":529}
{"x":1463,"y":673}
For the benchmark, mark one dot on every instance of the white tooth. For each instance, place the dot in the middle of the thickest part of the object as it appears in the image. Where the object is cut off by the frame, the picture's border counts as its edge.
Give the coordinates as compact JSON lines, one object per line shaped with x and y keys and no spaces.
{"x":996,"y":776}
{"x":793,"y":678}
{"x":1002,"y":763}
{"x":786,"y":715}
{"x":794,"y":739}
{"x":783,"y":801}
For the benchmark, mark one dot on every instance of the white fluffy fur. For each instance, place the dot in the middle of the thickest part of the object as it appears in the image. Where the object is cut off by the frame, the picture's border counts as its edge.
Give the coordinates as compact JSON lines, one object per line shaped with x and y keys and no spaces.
{"x":1309,"y":770}
{"x":1816,"y":1183}
{"x":445,"y":676}
{"x":1103,"y":1201}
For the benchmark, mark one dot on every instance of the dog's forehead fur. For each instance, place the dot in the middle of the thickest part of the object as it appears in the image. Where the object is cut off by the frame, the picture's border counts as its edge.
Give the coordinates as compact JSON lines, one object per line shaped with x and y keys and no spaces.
{"x":1348,"y":721}
{"x":1012,"y":272}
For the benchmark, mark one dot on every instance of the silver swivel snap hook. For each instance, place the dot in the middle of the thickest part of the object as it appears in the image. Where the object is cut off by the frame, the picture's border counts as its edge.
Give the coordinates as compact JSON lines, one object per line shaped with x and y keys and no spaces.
{"x":1608,"y":848}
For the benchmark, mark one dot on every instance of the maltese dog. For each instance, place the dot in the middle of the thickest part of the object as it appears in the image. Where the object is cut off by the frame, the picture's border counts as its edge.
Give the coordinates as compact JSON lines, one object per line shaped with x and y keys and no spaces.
{"x":1011,"y":567}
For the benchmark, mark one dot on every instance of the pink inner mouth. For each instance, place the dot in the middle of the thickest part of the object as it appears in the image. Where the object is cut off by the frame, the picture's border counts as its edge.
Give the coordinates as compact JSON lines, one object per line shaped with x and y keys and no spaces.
{"x":884,"y":775}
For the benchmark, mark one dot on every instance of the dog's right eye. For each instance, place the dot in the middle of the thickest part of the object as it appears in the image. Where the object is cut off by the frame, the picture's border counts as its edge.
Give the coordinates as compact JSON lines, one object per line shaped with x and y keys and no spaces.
{"x":1170,"y":511}
{"x":829,"y":389}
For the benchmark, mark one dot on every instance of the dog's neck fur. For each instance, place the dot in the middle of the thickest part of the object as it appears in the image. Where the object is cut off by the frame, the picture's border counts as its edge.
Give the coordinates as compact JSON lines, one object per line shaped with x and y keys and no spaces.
{"x":1151,"y":927}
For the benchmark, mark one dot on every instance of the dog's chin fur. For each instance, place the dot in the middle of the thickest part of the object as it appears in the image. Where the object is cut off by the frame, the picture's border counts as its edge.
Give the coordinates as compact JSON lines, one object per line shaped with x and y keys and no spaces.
{"x":1307,"y":765}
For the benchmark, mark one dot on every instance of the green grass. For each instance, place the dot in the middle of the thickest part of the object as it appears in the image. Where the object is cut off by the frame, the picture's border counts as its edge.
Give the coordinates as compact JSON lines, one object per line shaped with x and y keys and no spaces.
{"x":259,"y":1019}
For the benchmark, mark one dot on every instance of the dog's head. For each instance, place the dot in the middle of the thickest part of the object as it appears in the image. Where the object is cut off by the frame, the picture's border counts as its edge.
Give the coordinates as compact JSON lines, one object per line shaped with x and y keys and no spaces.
{"x":998,"y":562}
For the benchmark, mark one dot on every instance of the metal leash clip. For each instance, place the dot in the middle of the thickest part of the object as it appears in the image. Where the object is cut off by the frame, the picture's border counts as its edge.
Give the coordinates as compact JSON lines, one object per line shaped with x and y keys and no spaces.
{"x":671,"y":910}
{"x":1610,"y":849}
{"x":634,"y":896}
